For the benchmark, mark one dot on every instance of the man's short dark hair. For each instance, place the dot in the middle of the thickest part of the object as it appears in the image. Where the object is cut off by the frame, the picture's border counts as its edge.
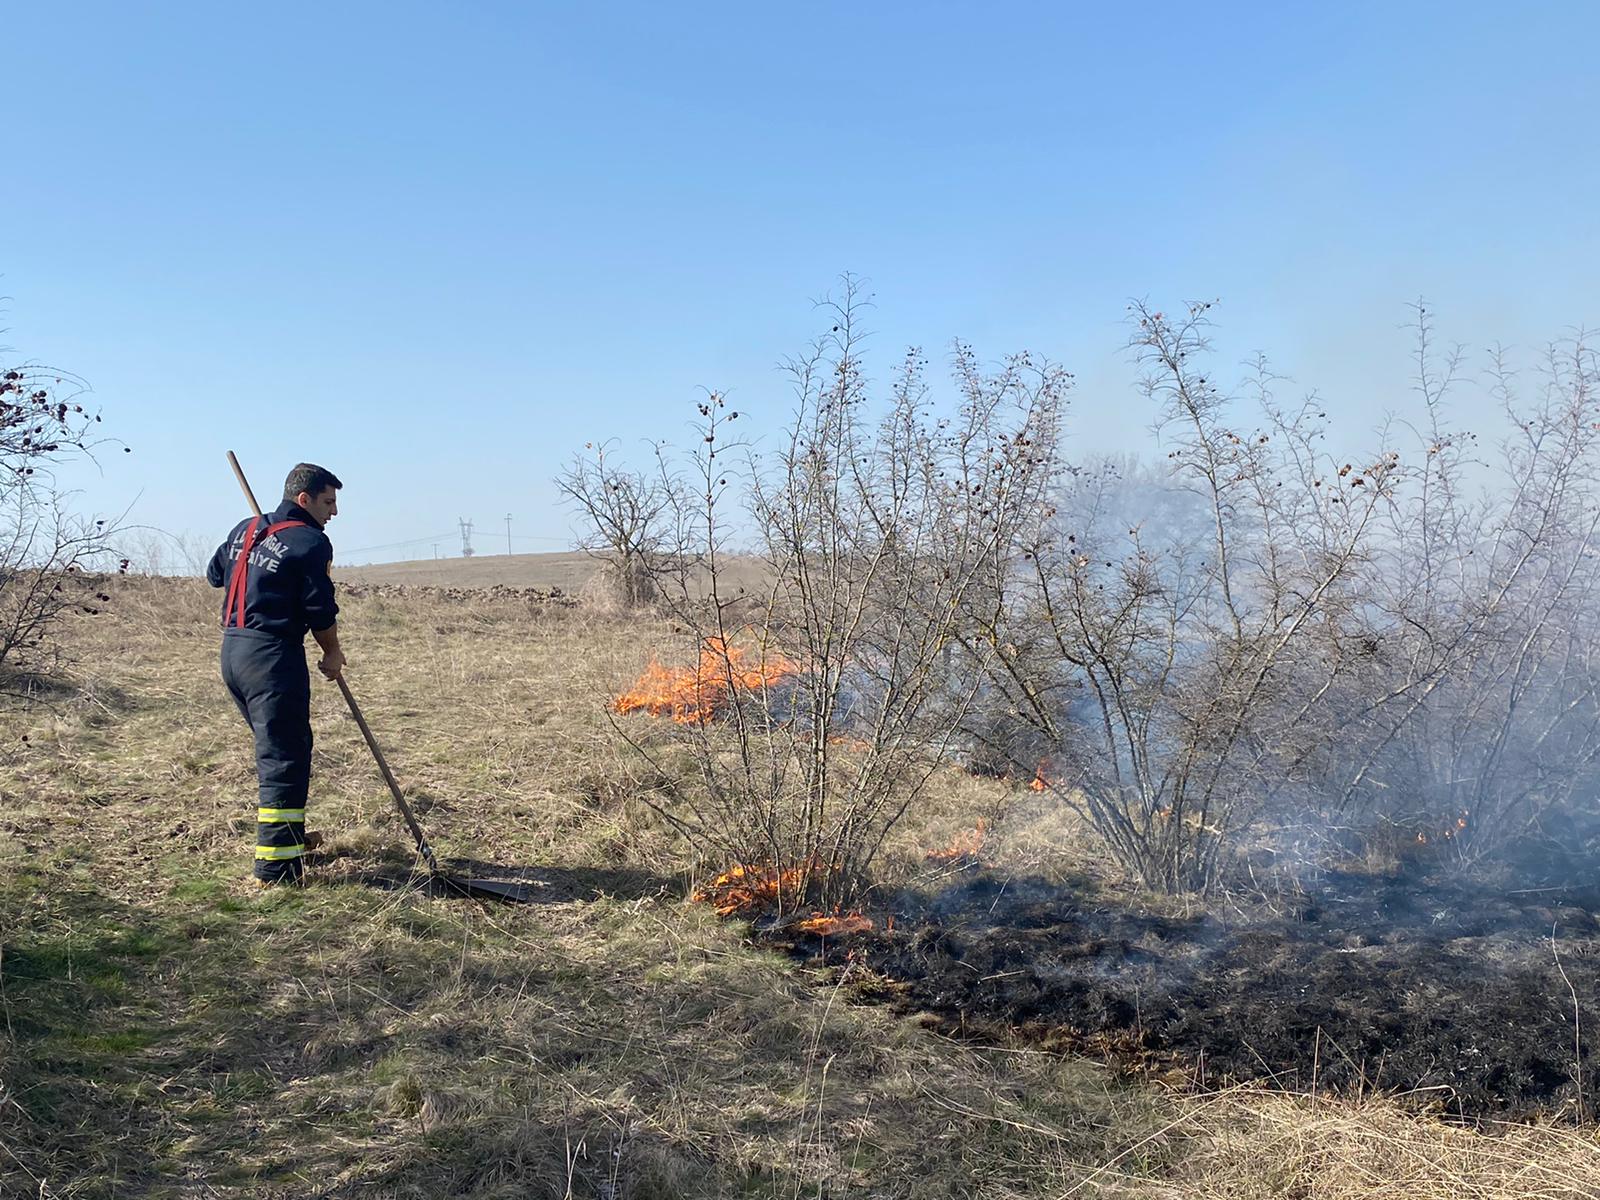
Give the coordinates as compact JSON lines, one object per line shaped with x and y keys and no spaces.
{"x":308,"y":477}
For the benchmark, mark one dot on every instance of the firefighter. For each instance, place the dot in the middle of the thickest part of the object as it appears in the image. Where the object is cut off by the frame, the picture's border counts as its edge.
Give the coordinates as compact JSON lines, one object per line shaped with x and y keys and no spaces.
{"x":278,"y":574}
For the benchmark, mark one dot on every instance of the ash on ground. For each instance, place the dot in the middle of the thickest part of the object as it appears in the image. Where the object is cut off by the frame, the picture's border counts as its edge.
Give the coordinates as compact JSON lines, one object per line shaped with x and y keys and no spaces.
{"x":1433,"y":985}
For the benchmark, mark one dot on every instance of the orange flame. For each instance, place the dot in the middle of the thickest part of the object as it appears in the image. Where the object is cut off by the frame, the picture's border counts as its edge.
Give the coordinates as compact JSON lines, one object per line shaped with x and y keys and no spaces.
{"x":836,"y":925}
{"x":1450,"y":833}
{"x":750,"y":890}
{"x":745,"y":890}
{"x":854,"y":744}
{"x":964,"y":848}
{"x":1039,"y":782}
{"x":693,"y":696}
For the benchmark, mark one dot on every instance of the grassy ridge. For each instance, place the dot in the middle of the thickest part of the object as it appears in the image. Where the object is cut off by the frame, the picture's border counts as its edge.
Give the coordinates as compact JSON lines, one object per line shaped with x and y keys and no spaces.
{"x":170,"y":1032}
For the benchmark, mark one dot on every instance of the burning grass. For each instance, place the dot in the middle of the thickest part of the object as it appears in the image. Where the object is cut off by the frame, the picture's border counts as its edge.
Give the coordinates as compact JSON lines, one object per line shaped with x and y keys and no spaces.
{"x":965,"y":849}
{"x":837,"y":924}
{"x":756,"y":891}
{"x":698,"y":694}
{"x":752,"y":890}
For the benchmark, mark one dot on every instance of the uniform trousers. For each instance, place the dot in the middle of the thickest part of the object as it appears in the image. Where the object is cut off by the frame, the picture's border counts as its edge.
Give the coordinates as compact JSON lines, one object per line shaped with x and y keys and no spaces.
{"x":268,"y":679}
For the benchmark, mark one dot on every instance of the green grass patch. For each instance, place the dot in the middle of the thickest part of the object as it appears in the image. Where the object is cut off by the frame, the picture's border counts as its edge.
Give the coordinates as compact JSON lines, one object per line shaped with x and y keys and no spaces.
{"x":191,"y":889}
{"x":115,"y":1042}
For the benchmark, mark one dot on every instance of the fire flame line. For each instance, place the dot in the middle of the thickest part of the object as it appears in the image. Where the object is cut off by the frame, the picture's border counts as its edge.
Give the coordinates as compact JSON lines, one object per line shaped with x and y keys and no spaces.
{"x":696,"y":695}
{"x":965,"y":847}
{"x":745,"y":890}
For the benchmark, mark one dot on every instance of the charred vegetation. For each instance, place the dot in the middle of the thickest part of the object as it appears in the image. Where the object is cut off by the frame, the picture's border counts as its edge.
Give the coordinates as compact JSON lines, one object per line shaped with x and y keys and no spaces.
{"x":1364,"y":675}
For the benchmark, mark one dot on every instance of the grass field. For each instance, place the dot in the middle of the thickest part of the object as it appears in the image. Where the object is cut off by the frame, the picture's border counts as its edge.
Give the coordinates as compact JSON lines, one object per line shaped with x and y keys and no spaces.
{"x":169,"y":1031}
{"x":570,"y":572}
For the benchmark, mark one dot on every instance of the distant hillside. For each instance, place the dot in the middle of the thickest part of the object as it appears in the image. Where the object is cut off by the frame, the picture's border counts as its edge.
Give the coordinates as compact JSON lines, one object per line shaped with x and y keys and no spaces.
{"x":567,"y":570}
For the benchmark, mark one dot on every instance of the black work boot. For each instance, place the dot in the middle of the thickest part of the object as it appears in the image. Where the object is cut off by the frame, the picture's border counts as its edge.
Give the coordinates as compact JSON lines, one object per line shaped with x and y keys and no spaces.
{"x":280,"y":874}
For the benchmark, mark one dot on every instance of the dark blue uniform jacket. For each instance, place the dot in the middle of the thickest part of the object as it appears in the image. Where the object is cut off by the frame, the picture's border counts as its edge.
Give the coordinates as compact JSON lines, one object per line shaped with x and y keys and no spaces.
{"x":289,"y":588}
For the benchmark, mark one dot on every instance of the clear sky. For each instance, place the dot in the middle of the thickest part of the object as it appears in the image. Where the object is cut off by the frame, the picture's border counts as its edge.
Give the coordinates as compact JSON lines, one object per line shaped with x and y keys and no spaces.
{"x":436,"y":247}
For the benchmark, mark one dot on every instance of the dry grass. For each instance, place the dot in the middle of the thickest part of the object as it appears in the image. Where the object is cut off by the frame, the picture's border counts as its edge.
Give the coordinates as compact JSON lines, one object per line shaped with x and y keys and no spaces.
{"x":168,"y":1031}
{"x":571,"y":571}
{"x":1338,"y":1150}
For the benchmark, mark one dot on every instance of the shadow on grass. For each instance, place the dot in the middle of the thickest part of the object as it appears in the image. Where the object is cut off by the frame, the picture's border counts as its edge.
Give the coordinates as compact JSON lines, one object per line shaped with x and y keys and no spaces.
{"x":355,"y":1041}
{"x":56,"y":692}
{"x":78,"y":1027}
{"x":578,"y":883}
{"x":588,"y":1154}
{"x":536,"y":885}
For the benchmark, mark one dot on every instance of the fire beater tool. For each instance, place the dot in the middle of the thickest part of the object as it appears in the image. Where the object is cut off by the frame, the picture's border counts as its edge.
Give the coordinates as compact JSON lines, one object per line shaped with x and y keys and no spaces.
{"x":490,"y":889}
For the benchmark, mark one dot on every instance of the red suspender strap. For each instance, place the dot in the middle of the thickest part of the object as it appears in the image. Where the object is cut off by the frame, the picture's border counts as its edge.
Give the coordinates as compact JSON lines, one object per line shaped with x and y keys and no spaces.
{"x":233,"y":613}
{"x":236,"y":580}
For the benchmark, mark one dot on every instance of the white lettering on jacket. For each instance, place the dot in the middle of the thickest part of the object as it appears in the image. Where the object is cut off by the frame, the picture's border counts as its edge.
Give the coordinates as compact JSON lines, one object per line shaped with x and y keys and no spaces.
{"x":267,"y":554}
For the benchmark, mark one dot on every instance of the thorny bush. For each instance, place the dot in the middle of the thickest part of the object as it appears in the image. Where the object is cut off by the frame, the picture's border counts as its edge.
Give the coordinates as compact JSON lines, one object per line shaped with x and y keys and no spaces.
{"x":1476,"y":705}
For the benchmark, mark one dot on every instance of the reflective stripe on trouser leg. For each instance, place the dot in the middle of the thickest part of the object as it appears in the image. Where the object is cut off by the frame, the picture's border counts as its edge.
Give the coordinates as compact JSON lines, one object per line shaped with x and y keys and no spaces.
{"x":280,"y":834}
{"x":269,"y":681}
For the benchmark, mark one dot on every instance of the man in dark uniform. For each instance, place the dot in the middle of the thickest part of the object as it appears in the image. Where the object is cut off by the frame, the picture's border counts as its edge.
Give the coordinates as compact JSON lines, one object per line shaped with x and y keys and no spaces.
{"x":277,"y":571}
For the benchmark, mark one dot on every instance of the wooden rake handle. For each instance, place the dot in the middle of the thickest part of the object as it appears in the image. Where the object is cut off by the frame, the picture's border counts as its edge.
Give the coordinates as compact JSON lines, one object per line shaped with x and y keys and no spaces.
{"x":238,"y":473}
{"x":388,"y":776}
{"x":355,"y":711}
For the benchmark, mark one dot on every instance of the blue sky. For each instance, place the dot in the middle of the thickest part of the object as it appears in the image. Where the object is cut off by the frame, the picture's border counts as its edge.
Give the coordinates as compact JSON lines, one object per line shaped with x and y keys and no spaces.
{"x":439,"y":247}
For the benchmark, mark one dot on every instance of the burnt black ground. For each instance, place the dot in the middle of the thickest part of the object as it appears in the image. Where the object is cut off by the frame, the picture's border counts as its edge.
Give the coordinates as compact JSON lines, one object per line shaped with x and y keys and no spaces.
{"x":1438,"y":986}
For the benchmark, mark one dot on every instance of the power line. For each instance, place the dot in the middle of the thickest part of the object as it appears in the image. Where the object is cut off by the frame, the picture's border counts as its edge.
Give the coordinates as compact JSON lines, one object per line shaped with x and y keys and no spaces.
{"x":399,"y":545}
{"x":439,"y":537}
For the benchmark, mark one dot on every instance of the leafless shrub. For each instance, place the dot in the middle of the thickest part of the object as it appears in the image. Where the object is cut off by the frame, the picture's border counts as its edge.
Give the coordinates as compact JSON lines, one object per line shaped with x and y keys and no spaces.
{"x":878,"y":524}
{"x":1184,"y":681}
{"x":1264,"y":630}
{"x":47,"y":555}
{"x":1479,"y":712}
{"x":1406,"y":639}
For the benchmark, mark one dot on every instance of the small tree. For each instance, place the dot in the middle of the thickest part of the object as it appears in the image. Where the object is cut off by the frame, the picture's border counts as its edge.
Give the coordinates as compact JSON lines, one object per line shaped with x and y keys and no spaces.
{"x":623,"y":516}
{"x":46,"y":553}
